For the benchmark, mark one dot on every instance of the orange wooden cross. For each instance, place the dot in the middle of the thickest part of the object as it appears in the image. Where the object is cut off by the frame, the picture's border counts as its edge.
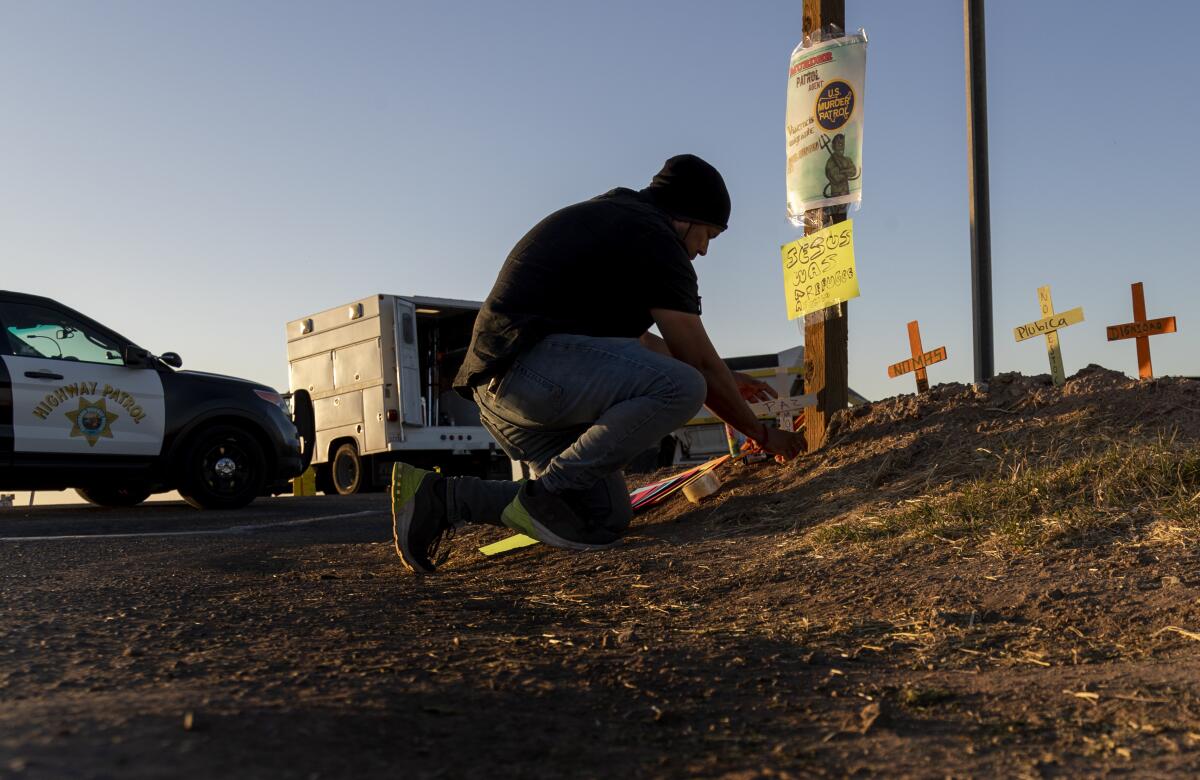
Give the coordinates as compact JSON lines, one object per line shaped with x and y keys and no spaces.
{"x":1141,"y":329}
{"x":919,"y":360}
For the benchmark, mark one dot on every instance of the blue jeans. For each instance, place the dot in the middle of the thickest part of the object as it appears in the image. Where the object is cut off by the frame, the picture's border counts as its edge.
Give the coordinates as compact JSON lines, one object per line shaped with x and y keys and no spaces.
{"x":577,"y":409}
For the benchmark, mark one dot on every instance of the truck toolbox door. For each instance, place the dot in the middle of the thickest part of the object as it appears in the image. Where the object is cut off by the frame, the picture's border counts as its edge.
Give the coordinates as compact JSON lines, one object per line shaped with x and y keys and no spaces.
{"x":408,"y":363}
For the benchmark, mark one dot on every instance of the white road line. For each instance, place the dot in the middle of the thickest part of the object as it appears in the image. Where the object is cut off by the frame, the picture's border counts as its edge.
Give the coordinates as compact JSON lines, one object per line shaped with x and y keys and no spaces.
{"x":232,"y":530}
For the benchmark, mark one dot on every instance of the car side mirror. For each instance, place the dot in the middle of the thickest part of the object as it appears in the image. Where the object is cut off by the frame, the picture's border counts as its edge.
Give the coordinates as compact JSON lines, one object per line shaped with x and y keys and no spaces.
{"x":172,"y":359}
{"x":136,"y":357}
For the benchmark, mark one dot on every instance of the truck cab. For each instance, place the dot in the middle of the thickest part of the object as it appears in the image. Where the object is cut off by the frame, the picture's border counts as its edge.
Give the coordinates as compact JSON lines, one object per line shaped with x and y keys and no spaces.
{"x":376,"y":374}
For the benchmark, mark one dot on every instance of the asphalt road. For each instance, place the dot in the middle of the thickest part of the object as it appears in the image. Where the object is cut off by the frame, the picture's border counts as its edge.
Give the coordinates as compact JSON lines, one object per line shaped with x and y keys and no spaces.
{"x":162,"y":640}
{"x":315,"y":518}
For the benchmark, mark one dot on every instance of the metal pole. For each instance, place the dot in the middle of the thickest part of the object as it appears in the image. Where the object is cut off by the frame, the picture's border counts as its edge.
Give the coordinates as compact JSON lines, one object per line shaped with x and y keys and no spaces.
{"x":977,"y":155}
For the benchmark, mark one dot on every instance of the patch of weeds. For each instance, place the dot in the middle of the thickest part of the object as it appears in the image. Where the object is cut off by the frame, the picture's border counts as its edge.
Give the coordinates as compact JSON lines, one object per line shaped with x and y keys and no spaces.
{"x":1110,"y":490}
{"x":921,"y":698}
{"x":861,"y":531}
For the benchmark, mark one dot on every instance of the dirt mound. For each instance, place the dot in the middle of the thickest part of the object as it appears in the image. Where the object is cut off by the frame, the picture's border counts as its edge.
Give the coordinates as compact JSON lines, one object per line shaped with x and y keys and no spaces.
{"x":1096,"y":398}
{"x":1007,"y":573}
{"x":921,"y":446}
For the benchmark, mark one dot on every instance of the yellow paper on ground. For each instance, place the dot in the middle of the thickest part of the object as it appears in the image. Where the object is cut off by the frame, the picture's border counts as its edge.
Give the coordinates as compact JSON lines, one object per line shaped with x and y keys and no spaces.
{"x":818,"y":270}
{"x":514,"y":542}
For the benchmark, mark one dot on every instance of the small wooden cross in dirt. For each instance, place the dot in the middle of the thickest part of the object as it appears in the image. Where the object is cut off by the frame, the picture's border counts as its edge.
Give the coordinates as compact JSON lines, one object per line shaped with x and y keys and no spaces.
{"x":919,"y":360}
{"x":1141,"y":329}
{"x":785,"y":409}
{"x":1048,"y":326}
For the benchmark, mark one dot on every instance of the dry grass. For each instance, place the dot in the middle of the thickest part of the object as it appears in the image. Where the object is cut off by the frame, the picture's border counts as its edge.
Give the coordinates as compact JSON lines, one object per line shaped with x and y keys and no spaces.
{"x":1113,"y":488}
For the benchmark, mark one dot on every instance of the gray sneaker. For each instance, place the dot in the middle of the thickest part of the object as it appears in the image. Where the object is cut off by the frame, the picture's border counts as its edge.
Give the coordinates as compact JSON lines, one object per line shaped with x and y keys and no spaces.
{"x":538,"y":513}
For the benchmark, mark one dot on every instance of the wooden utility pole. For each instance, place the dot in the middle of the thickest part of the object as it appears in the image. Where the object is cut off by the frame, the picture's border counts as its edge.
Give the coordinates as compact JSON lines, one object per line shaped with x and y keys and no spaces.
{"x":826,"y":356}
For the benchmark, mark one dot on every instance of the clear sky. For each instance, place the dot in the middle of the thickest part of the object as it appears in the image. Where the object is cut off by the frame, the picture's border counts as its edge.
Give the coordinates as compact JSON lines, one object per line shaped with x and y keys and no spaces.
{"x":196,"y":174}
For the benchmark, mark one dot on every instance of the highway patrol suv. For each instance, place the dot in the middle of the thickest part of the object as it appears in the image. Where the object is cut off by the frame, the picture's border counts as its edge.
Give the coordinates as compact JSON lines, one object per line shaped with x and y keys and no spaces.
{"x":83,"y":407}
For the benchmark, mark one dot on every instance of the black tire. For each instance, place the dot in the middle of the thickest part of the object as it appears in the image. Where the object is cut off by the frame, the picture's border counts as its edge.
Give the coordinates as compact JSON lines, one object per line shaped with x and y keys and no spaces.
{"x":223,"y":468}
{"x":117,"y":497}
{"x":346,"y":471}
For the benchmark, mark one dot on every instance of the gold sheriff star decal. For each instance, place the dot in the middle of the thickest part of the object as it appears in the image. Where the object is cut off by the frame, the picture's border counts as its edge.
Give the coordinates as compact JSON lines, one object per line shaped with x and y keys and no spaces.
{"x":92,"y":421}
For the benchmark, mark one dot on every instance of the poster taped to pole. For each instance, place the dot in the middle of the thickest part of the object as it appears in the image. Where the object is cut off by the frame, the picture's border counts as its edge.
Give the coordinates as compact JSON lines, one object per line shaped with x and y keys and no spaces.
{"x":825,"y":99}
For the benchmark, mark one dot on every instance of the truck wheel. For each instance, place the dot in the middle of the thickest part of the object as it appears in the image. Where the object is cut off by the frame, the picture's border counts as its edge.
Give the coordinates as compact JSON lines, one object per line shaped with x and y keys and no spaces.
{"x":224,"y":468}
{"x":346,"y":470}
{"x":127,"y":496}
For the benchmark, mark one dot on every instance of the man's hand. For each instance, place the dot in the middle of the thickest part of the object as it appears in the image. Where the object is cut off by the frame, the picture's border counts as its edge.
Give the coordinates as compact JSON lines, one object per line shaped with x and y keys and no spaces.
{"x":753,"y":390}
{"x":686,"y":340}
{"x":784,"y":445}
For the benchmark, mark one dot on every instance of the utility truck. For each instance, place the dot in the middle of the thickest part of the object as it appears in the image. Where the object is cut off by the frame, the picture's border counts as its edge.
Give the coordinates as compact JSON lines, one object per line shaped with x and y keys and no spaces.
{"x":375,"y":377}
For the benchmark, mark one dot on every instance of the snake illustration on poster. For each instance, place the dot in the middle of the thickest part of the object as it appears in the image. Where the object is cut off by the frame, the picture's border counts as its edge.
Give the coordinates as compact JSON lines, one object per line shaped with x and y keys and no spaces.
{"x":825,"y":102}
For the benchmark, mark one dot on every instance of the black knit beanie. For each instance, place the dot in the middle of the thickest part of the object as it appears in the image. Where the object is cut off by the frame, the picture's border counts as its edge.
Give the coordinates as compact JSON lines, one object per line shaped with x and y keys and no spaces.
{"x":690,"y":189}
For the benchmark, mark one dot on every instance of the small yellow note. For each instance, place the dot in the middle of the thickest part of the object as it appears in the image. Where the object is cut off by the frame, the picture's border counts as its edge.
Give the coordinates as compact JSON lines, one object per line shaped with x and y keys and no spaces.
{"x":514,"y":542}
{"x":818,"y":270}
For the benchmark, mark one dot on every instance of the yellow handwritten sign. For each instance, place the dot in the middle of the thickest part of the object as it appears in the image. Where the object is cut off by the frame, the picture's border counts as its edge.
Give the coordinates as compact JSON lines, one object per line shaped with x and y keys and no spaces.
{"x":1047,"y":324}
{"x":818,"y":270}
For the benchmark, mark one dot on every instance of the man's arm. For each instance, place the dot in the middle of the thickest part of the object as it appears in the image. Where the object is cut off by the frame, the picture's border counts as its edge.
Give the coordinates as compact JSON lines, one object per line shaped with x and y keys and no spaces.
{"x":751,"y":389}
{"x":685,"y":339}
{"x":655,"y":344}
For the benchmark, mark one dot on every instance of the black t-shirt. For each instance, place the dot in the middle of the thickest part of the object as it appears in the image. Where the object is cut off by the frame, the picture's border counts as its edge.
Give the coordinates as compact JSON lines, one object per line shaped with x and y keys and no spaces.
{"x":596,"y":268}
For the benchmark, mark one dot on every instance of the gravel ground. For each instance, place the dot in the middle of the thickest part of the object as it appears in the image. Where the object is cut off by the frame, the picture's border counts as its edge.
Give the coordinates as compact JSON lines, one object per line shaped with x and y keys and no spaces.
{"x":286,"y":640}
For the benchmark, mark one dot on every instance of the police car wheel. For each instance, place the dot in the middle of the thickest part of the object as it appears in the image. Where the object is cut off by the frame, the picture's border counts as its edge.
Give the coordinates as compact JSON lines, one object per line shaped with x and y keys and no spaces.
{"x":346,"y":470}
{"x":125,"y":496}
{"x":224,"y":469}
